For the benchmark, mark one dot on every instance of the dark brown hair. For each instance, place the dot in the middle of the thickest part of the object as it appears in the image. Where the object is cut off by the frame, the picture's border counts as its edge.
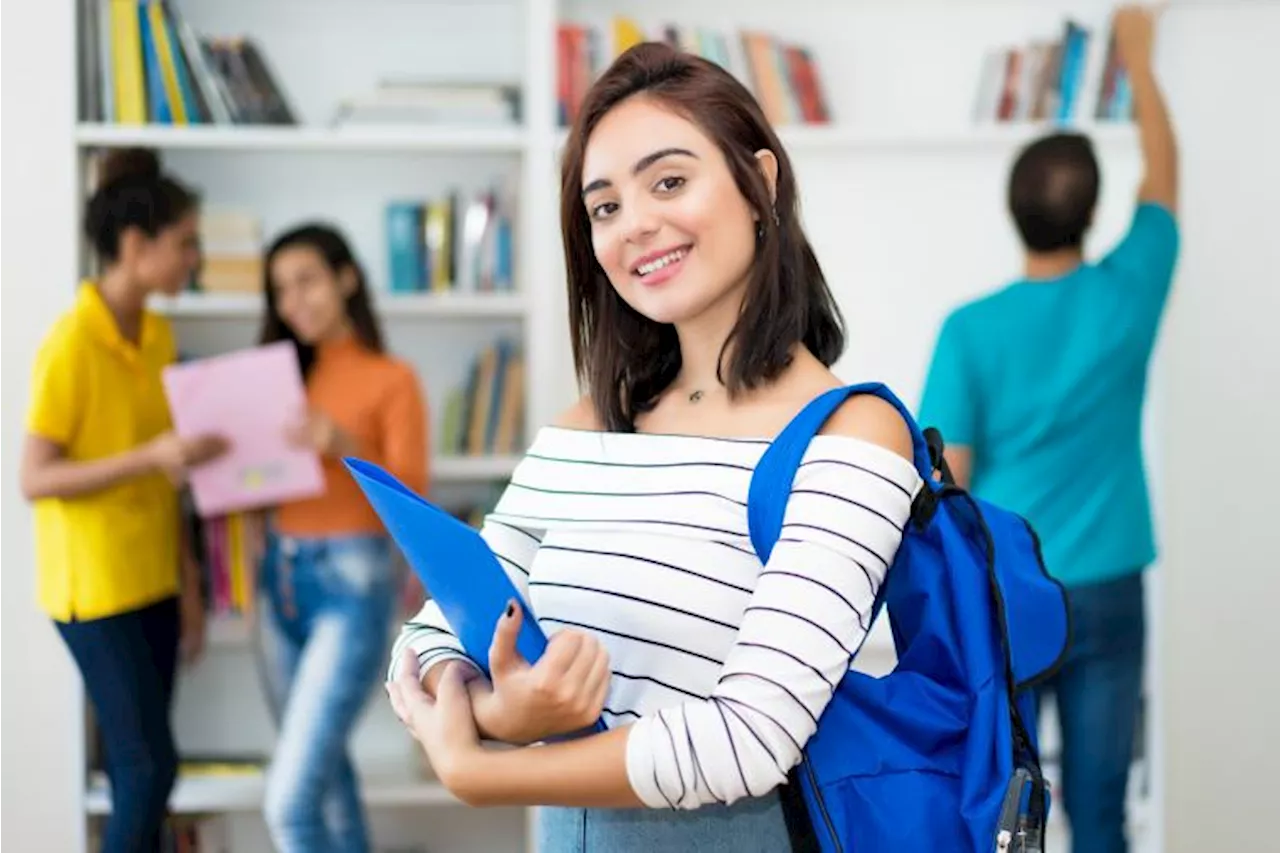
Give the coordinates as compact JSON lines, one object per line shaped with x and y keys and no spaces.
{"x":333,"y":248}
{"x":133,"y":192}
{"x":1053,"y":190}
{"x":625,"y":359}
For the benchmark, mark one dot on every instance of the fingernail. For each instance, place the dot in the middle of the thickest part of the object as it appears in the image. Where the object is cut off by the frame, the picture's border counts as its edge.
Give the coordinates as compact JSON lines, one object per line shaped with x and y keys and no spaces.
{"x":511,"y":609}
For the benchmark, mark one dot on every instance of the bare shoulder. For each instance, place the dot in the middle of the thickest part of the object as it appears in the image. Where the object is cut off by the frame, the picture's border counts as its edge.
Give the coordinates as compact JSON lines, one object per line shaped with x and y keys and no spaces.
{"x":581,"y":415}
{"x":872,"y":419}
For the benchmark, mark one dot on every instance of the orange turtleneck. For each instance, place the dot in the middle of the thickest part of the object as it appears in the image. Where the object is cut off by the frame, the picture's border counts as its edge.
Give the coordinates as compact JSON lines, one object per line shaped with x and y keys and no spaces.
{"x":375,"y":399}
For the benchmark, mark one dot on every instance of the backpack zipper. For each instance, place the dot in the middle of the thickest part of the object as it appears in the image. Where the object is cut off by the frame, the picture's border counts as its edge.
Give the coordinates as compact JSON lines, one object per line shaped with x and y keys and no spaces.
{"x":822,"y":805}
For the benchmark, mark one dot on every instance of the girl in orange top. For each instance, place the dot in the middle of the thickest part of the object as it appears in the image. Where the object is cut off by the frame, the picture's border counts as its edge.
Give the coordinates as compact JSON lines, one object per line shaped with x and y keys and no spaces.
{"x":328,"y":581}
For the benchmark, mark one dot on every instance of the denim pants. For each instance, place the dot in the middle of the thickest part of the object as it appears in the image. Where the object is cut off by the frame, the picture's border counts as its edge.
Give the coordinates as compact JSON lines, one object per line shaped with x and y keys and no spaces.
{"x":322,"y":643}
{"x":747,"y":826}
{"x":128,"y":663}
{"x":1099,"y":693}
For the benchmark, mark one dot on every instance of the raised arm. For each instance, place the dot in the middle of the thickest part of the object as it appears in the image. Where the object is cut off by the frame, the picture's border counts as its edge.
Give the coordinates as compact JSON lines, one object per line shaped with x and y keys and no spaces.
{"x":1134,"y":28}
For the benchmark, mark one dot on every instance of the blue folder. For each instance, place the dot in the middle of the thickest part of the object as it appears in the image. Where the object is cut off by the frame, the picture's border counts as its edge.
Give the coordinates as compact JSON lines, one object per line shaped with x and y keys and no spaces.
{"x":455,"y":565}
{"x":453,"y":562}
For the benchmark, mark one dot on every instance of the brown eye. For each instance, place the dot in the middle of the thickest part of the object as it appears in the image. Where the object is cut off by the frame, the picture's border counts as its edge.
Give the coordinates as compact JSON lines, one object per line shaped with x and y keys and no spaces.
{"x":670,"y":184}
{"x":600,"y":211}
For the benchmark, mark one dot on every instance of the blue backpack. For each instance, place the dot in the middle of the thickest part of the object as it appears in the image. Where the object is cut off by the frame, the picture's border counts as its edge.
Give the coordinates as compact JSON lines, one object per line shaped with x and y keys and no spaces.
{"x":940,"y":754}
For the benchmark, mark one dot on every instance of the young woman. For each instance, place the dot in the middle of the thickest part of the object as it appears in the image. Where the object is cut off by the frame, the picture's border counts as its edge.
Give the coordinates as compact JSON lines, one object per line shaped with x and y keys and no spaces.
{"x":101,"y":466}
{"x":701,"y":325}
{"x":328,"y":577}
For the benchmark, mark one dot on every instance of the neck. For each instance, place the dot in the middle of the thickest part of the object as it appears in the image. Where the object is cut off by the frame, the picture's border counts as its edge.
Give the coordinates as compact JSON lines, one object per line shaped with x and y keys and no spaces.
{"x":1045,"y":265}
{"x":701,"y":342}
{"x":124,"y":300}
{"x":340,"y":337}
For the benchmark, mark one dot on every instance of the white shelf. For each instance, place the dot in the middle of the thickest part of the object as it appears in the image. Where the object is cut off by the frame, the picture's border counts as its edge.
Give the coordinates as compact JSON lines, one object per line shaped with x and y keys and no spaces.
{"x":299,"y":138}
{"x":455,"y":469}
{"x":453,"y":305}
{"x":382,"y":787}
{"x":846,"y":138}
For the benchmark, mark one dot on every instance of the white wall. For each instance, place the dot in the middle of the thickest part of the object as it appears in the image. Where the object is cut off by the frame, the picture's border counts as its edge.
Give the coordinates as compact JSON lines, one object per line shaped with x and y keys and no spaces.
{"x":1221,"y":541}
{"x":40,"y":761}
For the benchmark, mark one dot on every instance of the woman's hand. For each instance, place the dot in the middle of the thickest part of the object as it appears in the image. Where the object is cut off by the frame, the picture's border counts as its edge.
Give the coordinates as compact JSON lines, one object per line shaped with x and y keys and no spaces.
{"x":444,"y":726}
{"x":317,"y":431}
{"x":562,"y":693}
{"x":175,"y":455}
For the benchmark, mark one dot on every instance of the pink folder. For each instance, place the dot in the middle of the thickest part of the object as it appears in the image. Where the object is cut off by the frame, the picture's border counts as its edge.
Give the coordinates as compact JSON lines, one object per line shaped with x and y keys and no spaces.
{"x":249,"y":397}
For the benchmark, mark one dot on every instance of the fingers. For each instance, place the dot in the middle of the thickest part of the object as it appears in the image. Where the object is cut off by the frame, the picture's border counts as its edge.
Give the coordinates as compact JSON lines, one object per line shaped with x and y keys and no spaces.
{"x":204,"y":448}
{"x":562,"y":650}
{"x":408,"y":690}
{"x":598,"y":680}
{"x":452,"y":688}
{"x":584,"y":660}
{"x":503,"y":655}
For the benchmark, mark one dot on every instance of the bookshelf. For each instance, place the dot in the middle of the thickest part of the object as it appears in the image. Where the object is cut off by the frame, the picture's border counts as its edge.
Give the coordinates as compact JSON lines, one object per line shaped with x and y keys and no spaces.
{"x":900,"y":152}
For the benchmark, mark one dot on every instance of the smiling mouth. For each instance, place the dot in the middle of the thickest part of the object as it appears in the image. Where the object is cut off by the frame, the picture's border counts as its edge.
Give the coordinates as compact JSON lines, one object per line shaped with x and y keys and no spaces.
{"x":648,"y":268}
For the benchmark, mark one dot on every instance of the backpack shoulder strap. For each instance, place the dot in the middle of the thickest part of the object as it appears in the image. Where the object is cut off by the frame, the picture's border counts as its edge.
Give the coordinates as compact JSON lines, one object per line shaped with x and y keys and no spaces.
{"x":775,"y":472}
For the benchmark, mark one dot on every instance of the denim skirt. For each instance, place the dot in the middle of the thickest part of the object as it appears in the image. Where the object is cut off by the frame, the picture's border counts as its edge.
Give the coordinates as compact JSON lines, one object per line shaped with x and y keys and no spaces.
{"x":747,"y":826}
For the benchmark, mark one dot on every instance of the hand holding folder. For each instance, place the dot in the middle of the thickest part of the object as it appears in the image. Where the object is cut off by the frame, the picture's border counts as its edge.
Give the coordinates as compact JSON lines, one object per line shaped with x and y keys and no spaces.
{"x":455,"y":565}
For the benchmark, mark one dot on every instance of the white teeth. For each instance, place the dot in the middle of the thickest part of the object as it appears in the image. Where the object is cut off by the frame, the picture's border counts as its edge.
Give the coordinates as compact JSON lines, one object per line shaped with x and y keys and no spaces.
{"x":659,"y":263}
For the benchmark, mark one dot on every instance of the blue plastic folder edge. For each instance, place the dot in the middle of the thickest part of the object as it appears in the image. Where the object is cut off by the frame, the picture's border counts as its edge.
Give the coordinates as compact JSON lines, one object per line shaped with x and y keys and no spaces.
{"x":453,"y":562}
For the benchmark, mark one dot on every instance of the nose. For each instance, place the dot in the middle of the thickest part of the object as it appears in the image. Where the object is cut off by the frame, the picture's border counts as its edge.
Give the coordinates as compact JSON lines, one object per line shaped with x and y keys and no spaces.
{"x":640,"y":222}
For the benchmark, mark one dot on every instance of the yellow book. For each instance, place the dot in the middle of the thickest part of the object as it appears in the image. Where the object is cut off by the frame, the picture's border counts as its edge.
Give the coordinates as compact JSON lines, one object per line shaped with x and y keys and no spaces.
{"x":126,"y":61}
{"x":626,"y":34}
{"x":235,"y":561}
{"x":168,"y":70}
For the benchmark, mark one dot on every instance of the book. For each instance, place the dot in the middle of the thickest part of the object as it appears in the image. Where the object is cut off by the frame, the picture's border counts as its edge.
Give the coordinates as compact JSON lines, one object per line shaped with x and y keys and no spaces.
{"x":249,"y":397}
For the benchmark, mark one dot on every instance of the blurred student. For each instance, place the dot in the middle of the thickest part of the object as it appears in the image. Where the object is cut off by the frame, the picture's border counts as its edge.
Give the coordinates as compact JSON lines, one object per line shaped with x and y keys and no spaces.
{"x":328,"y":577}
{"x":101,"y":466}
{"x":1039,"y":388}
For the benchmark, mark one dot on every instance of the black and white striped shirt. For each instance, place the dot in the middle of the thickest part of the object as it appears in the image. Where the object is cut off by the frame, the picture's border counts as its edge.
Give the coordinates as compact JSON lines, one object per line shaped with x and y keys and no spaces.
{"x":721,"y":666}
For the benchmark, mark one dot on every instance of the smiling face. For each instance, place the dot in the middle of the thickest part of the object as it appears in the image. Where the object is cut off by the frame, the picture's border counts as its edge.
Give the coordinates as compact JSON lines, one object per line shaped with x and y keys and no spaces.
{"x":310,"y":297}
{"x":669,"y":226}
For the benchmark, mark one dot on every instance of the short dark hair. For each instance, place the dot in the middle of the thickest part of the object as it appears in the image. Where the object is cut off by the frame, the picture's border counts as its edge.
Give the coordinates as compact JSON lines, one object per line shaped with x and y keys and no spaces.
{"x":1053,"y":190}
{"x":336,"y":252}
{"x":625,"y":359}
{"x":133,"y":192}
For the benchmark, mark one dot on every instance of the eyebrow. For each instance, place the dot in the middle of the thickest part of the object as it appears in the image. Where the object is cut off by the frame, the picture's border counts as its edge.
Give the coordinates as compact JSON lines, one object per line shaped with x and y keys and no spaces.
{"x":643,"y":163}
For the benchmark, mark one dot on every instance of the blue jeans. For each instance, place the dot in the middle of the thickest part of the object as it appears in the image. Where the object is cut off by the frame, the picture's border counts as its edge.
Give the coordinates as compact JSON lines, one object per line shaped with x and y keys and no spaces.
{"x":128,"y":663}
{"x":747,"y":826}
{"x":322,"y":642}
{"x":1099,"y":693}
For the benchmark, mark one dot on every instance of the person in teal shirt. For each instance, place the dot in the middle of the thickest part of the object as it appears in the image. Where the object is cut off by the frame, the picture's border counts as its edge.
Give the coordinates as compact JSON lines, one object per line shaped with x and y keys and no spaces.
{"x":1038,"y":390}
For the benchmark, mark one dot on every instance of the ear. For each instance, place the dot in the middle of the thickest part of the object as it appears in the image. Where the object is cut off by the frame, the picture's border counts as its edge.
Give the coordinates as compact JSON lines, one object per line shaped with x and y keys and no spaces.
{"x":767,"y":163}
{"x":347,"y":280}
{"x":132,"y":243}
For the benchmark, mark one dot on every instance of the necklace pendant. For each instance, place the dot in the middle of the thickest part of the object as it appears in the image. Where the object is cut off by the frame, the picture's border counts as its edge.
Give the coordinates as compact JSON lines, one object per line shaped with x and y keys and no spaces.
{"x":695,"y":396}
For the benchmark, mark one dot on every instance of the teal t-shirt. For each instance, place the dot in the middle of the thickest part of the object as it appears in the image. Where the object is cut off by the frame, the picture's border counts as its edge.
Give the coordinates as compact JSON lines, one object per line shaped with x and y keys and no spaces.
{"x":1045,"y":381}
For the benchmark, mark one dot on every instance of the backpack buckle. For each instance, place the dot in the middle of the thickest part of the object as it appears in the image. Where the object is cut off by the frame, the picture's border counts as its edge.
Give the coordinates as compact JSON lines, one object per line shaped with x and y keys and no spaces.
{"x":1021,"y":827}
{"x":933,"y":440}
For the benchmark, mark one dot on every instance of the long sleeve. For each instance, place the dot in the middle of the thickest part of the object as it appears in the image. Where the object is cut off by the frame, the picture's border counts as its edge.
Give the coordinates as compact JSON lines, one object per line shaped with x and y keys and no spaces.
{"x":804,"y":622}
{"x":428,"y":632}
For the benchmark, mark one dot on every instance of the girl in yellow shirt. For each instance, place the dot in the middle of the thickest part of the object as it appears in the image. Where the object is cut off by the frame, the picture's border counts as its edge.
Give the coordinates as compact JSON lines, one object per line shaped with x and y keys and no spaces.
{"x":101,"y":466}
